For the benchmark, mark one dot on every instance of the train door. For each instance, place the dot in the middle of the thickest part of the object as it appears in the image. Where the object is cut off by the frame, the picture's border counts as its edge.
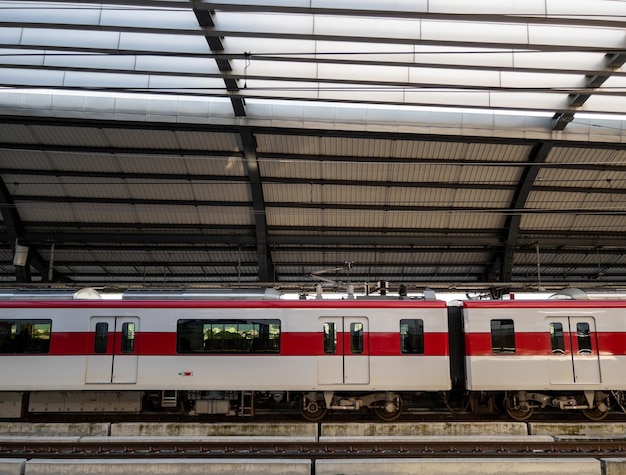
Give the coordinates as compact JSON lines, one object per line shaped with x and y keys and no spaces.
{"x":346,"y":351}
{"x":575,"y":347}
{"x":112,"y":356}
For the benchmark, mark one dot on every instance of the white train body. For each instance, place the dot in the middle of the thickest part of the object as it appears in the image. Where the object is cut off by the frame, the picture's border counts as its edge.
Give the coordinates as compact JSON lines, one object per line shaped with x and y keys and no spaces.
{"x":565,"y":354}
{"x":208,"y":356}
{"x":314,"y":347}
{"x":547,"y":345}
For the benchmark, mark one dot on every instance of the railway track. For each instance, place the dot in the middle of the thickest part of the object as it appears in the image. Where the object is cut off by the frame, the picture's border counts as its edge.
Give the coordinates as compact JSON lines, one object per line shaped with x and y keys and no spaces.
{"x":313,"y":450}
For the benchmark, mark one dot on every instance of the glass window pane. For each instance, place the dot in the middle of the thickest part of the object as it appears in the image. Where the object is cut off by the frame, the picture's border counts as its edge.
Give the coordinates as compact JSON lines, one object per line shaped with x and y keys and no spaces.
{"x":502,"y":336}
{"x":228,"y":336}
{"x":128,"y":338}
{"x":356,"y":338}
{"x":330,"y":339}
{"x":412,"y":336}
{"x":25,"y":336}
{"x":101,"y":337}
{"x":584,"y":338}
{"x":556,"y":338}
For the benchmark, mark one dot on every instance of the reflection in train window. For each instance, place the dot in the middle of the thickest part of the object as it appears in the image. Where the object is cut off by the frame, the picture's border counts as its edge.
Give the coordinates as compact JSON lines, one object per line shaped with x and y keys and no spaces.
{"x":356,"y":338}
{"x":330,"y":338}
{"x":25,"y":336}
{"x":502,"y":336}
{"x":412,"y":336}
{"x":228,"y":336}
{"x":128,"y":338}
{"x":583,"y":334}
{"x":556,"y":338}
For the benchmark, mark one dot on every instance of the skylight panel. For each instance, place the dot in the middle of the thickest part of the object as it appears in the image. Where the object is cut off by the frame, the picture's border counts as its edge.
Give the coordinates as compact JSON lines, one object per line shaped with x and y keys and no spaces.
{"x":474,"y":32}
{"x":45,"y":13}
{"x":137,"y":17}
{"x":562,"y":60}
{"x":55,"y":38}
{"x":577,"y":37}
{"x":529,"y":101}
{"x":21,"y":57}
{"x":159,"y":43}
{"x":541,"y":81}
{"x":24,"y":78}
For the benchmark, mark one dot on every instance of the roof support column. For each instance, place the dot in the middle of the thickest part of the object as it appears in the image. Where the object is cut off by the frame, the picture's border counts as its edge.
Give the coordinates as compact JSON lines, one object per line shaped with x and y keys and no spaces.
{"x":251,"y":165}
{"x":504,"y":267}
{"x":14,"y":230}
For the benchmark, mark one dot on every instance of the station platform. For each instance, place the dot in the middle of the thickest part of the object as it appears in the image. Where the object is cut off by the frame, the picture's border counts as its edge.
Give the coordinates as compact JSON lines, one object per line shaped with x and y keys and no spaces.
{"x":434,"y":466}
{"x":588,"y":429}
{"x":168,"y":467}
{"x":249,"y":429}
{"x":457,"y":466}
{"x":10,"y":466}
{"x":59,"y":429}
{"x":311,"y":432}
{"x":382,"y":429}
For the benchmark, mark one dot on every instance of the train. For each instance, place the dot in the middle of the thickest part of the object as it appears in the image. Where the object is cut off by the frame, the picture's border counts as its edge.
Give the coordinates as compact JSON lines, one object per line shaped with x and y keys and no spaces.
{"x":196,"y":355}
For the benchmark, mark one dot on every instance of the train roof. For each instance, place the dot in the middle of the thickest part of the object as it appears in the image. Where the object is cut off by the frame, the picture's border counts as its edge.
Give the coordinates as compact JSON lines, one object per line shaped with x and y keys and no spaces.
{"x":557,"y":303}
{"x":277,"y":304}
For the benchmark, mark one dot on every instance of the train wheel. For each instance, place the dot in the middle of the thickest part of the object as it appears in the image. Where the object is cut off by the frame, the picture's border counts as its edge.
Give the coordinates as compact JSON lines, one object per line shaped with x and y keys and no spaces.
{"x":595,"y":414}
{"x":312,"y":411}
{"x":515,"y":410}
{"x":384,"y":414}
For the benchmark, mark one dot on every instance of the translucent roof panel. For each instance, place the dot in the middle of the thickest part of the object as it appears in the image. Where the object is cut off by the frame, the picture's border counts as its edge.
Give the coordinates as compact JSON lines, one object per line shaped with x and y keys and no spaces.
{"x":551,"y":57}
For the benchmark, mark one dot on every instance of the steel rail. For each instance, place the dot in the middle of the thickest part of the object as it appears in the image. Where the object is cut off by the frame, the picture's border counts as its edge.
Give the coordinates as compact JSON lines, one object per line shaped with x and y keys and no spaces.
{"x":313,"y":450}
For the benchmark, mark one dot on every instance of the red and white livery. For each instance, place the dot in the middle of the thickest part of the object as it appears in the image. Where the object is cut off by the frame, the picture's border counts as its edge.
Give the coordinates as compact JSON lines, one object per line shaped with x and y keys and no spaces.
{"x":569,"y":354}
{"x":232,"y":356}
{"x":219,"y":356}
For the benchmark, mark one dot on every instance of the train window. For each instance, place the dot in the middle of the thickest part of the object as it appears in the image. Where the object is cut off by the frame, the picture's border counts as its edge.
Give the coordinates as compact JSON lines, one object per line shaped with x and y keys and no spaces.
{"x":356,"y":338}
{"x":25,"y":336}
{"x":228,"y":336}
{"x":556,"y":338}
{"x":502,"y":336}
{"x":412,"y":336}
{"x":330,"y":338}
{"x":583,"y":334}
{"x":101,"y":338}
{"x":128,"y":338}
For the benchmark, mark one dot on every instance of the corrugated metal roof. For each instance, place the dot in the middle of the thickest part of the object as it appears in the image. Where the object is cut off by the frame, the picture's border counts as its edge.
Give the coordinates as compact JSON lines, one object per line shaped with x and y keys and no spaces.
{"x":436,"y":142}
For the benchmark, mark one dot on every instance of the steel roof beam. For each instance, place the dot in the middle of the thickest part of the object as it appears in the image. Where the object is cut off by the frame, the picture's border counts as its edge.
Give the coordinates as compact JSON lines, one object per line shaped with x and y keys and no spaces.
{"x":227,"y":56}
{"x":205,"y":21}
{"x":501,"y":267}
{"x":248,"y":147}
{"x":288,"y":131}
{"x":598,"y":244}
{"x":507,"y":212}
{"x":614,"y":61}
{"x":196,"y":179}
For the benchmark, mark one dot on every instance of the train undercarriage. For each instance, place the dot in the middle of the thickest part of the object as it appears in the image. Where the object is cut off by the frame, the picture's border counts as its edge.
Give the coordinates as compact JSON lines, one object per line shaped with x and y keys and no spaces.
{"x":595,"y":405}
{"x":313,"y":405}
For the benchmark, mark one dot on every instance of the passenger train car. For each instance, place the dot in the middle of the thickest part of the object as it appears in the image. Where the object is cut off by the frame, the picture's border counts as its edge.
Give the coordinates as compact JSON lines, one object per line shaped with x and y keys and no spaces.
{"x":569,"y":354}
{"x":232,"y":356}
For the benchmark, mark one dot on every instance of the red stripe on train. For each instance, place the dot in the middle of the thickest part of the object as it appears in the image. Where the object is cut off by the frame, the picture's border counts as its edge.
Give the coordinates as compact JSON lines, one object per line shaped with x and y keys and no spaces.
{"x":292,"y":344}
{"x":534,"y":344}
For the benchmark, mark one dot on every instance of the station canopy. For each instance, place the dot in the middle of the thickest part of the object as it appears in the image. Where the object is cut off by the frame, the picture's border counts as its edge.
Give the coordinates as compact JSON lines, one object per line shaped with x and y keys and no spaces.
{"x":446,"y":144}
